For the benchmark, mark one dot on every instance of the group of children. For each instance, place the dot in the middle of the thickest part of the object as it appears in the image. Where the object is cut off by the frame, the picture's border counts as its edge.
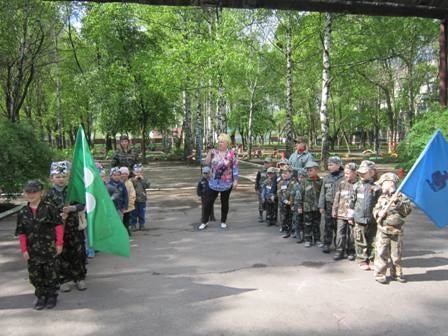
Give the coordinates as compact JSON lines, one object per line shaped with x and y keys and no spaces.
{"x":51,"y":230}
{"x":363,"y":216}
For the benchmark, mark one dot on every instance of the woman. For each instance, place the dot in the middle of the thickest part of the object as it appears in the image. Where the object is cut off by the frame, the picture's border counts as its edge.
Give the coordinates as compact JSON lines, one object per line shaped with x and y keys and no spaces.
{"x":223,"y":178}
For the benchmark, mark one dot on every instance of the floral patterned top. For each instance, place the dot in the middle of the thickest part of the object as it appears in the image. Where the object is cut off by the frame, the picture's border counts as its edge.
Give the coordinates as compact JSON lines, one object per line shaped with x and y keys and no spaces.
{"x":224,"y":170}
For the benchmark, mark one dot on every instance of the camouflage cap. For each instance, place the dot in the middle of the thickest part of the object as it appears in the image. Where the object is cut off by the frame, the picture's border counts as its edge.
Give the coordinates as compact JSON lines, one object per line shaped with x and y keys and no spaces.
{"x":124,"y":137}
{"x":33,"y":186}
{"x":286,"y":168}
{"x":60,"y":167}
{"x":283,"y":162}
{"x":388,"y":177}
{"x":138,"y":167}
{"x":351,"y":166}
{"x":272,"y":170}
{"x":365,"y":166}
{"x":311,"y":164}
{"x":335,"y":160}
{"x":302,"y":172}
{"x":205,"y":170}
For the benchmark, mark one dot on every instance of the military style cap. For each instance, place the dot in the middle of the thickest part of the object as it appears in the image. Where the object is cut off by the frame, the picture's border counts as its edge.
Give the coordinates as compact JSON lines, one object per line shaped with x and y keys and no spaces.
{"x":115,"y":170}
{"x":272,"y":170}
{"x":138,"y":167}
{"x":267,"y":159}
{"x":124,"y":137}
{"x":352,"y":166}
{"x":311,"y":164}
{"x":283,"y":161}
{"x":388,"y":177}
{"x":302,"y":172}
{"x":286,"y":168}
{"x":205,"y":170}
{"x":335,"y":160}
{"x":60,"y":167}
{"x":365,"y":166}
{"x":33,"y":186}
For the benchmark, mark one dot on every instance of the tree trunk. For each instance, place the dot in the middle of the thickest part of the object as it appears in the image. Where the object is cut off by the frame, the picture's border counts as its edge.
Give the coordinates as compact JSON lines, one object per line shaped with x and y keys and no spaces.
{"x":324,"y":119}
{"x":188,"y":139}
{"x":221,"y":126}
{"x":251,"y":113}
{"x":199,"y":129}
{"x":289,"y":83}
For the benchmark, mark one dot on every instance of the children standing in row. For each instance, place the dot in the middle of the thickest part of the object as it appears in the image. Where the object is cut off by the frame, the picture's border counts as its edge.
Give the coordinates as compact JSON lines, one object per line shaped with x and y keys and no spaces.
{"x":285,"y":192}
{"x":269,"y":196}
{"x":261,"y":177}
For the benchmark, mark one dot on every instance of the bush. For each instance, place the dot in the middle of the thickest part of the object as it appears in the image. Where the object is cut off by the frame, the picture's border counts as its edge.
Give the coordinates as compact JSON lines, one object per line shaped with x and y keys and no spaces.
{"x":23,"y":156}
{"x":416,"y":140}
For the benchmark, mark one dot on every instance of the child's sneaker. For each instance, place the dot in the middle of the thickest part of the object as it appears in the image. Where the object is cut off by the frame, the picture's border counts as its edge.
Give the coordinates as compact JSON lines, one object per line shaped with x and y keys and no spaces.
{"x":67,"y":286}
{"x":40,"y":303}
{"x":400,"y":279}
{"x":319,"y":243}
{"x":223,"y":226}
{"x":307,"y":244}
{"x":364,"y":266}
{"x":381,"y":279}
{"x":81,"y":285}
{"x":51,"y":302}
{"x":202,"y":226}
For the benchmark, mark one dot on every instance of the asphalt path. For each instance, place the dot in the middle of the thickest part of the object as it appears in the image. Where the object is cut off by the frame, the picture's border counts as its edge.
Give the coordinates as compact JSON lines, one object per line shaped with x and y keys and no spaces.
{"x":245,"y":280}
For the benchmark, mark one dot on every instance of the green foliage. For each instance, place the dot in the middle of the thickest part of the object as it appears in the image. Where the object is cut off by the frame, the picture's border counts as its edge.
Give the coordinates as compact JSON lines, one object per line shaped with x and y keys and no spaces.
{"x":23,"y":156}
{"x":416,"y":140}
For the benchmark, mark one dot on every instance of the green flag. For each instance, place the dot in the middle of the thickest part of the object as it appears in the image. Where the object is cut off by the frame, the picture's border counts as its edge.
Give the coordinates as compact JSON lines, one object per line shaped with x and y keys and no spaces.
{"x":105,"y":230}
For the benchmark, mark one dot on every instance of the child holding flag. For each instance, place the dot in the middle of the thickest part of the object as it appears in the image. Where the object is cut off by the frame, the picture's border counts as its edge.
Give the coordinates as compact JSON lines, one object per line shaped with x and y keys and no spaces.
{"x":389,"y":212}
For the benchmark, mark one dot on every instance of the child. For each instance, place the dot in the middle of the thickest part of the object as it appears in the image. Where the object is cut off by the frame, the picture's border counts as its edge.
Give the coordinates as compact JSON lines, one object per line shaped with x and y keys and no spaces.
{"x":269,"y":196}
{"x":280,"y":164}
{"x":389,"y":238}
{"x":72,"y":263}
{"x":364,"y":197}
{"x":307,"y":198}
{"x":329,"y":183}
{"x":118,"y":192}
{"x":285,"y":193}
{"x":41,"y":236}
{"x":296,"y":217}
{"x":140,"y":186}
{"x":259,"y":180}
{"x":342,"y":212}
{"x":202,"y":192}
{"x":131,"y":197}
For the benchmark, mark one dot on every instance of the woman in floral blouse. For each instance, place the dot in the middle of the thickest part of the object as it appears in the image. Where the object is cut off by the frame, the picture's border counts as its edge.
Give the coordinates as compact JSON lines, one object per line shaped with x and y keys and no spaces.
{"x":223,"y":178}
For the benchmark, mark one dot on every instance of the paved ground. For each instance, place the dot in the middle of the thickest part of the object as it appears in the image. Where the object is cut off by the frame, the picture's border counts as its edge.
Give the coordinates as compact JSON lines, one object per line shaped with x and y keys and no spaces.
{"x":243,"y":281}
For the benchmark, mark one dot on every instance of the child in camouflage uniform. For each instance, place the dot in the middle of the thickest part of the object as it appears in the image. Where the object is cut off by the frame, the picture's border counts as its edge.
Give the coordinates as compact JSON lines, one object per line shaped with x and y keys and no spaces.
{"x":131,"y":198}
{"x":326,"y":198}
{"x":72,"y":270}
{"x":280,"y":164}
{"x":285,"y":193}
{"x":389,"y":211}
{"x":364,"y":197}
{"x":40,"y":231}
{"x":297,"y":218}
{"x":140,"y":186}
{"x":262,"y":175}
{"x":342,"y":212}
{"x":307,"y":198}
{"x":269,"y":196}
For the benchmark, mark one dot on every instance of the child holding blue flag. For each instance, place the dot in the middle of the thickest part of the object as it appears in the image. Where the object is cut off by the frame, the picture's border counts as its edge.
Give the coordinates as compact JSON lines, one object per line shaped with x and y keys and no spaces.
{"x":389,"y":212}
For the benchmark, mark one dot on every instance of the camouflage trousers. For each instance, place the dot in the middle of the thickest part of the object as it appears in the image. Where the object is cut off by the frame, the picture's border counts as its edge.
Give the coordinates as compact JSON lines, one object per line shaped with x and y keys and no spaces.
{"x":344,"y":237}
{"x":271,"y":212}
{"x":286,"y":218}
{"x":311,"y":221}
{"x":297,"y":223}
{"x":73,"y":257}
{"x":260,"y":201}
{"x":388,"y":246}
{"x":329,"y":225}
{"x":43,"y":276}
{"x":365,"y":241}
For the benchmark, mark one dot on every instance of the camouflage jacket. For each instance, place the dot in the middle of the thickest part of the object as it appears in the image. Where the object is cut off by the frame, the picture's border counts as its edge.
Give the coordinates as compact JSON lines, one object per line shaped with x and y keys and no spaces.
{"x":39,"y":229}
{"x":262,"y":175}
{"x":341,"y":205}
{"x":286,"y":191}
{"x":269,"y":189}
{"x":299,"y":160}
{"x":57,"y":199}
{"x":329,"y":184}
{"x":392,"y":222}
{"x":364,"y":197}
{"x":307,"y":195}
{"x":140,"y":186}
{"x":123,"y":158}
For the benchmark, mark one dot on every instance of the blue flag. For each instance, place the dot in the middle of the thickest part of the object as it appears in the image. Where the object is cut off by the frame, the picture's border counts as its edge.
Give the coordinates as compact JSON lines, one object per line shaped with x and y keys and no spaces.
{"x":426,"y":184}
